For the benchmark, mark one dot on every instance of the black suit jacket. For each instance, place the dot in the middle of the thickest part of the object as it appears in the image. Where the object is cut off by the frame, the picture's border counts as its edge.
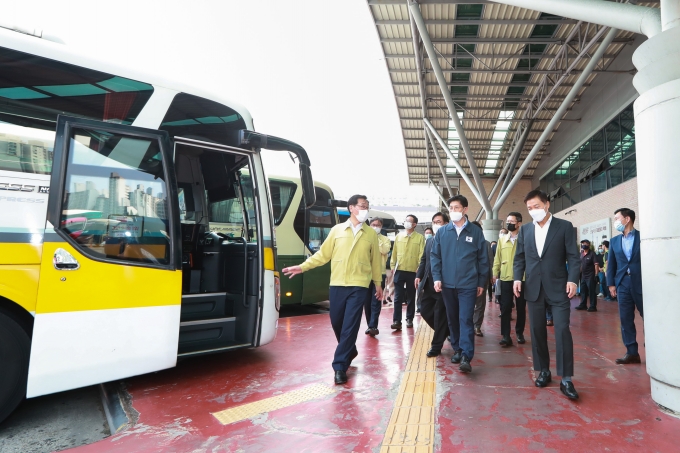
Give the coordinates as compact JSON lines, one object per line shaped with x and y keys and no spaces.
{"x":618,"y":265}
{"x":424,"y":272}
{"x":550,"y":268}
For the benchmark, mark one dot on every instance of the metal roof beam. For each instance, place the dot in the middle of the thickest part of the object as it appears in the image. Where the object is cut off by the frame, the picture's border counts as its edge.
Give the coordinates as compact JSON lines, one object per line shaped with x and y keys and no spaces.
{"x":510,"y":71}
{"x":429,"y":2}
{"x":485,"y":55}
{"x":483,"y":22}
{"x":538,"y":120}
{"x":480,"y":97}
{"x":496,"y":41}
{"x":481,"y":84}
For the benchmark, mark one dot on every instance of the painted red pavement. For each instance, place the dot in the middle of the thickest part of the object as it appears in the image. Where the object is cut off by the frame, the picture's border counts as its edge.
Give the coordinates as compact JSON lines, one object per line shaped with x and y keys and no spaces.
{"x":496,"y":408}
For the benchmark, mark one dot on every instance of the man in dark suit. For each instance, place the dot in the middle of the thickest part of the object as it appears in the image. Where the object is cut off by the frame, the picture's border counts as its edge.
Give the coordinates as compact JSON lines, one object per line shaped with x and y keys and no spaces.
{"x":624,"y":273}
{"x":432,"y":308}
{"x":543,"y":248}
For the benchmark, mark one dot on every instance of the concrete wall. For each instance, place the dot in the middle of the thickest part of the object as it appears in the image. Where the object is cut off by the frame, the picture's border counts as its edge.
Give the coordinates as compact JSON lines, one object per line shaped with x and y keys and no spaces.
{"x":603,"y":205}
{"x":515,"y":201}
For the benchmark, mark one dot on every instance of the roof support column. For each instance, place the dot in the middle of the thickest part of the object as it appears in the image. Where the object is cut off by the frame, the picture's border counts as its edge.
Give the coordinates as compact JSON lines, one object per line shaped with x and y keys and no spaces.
{"x":441,"y":80}
{"x":439,"y":192}
{"x":430,"y":140}
{"x":460,"y":169}
{"x":558,"y":115}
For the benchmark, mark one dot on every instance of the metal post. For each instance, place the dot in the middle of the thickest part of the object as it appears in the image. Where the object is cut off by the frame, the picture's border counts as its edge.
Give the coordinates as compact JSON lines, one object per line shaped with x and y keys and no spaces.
{"x":515,"y":159}
{"x":441,"y":196}
{"x":558,"y":115}
{"x":430,"y":140}
{"x":463,"y":175}
{"x":441,"y":80}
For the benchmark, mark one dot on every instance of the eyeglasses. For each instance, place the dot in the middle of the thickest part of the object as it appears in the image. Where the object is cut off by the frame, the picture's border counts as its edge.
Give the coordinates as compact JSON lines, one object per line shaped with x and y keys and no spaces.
{"x":358,"y":206}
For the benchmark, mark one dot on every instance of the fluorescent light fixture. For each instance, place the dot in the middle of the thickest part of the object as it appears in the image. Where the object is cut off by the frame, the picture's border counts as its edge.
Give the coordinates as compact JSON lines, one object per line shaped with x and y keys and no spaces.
{"x":500,"y":134}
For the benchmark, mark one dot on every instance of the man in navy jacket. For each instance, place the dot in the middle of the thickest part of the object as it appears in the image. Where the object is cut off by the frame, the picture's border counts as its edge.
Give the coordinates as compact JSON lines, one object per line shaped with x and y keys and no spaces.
{"x":460,"y":270}
{"x":624,"y":274}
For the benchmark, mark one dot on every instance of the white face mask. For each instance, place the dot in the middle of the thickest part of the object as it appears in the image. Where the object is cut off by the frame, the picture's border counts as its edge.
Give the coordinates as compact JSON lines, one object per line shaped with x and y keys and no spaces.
{"x":436,"y":228}
{"x":377,"y":229}
{"x":362,"y":215}
{"x":456,"y":216}
{"x":428,"y":235}
{"x":538,"y":214}
{"x":408,"y":225}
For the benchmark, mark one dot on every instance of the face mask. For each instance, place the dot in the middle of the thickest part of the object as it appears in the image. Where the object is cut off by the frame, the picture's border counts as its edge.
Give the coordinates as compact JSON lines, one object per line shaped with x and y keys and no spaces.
{"x":619,"y":226}
{"x":377,"y":229}
{"x":538,"y":214}
{"x":428,"y":236}
{"x":599,"y":250}
{"x":362,"y":215}
{"x":436,"y":228}
{"x":408,"y":225}
{"x":585,"y":246}
{"x":511,"y":226}
{"x":456,"y":216}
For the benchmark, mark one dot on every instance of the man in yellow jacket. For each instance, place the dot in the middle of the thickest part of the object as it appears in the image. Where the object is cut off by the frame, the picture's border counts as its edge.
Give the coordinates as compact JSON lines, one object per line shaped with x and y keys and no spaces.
{"x":374,"y":305}
{"x":352,"y":248}
{"x":502,"y":268}
{"x":408,"y":248}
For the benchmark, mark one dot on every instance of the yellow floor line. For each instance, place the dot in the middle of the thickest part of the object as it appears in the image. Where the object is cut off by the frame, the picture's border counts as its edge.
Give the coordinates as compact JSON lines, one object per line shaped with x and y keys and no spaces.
{"x":250,"y":410}
{"x":411,"y":426}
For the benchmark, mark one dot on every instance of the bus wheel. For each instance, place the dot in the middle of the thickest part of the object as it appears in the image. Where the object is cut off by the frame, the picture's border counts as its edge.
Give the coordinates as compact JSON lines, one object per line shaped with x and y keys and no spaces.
{"x":15,"y":349}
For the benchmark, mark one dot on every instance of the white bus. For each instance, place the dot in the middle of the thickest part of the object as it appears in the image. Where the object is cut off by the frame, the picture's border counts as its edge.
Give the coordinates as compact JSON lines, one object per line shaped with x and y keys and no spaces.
{"x":110,"y":180}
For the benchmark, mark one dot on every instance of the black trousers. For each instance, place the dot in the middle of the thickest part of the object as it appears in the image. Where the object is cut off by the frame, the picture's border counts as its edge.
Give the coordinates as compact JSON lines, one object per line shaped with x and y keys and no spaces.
{"x":433,"y":312}
{"x":589,"y":289}
{"x":404,"y":288}
{"x":506,"y":309}
{"x":561,"y":310}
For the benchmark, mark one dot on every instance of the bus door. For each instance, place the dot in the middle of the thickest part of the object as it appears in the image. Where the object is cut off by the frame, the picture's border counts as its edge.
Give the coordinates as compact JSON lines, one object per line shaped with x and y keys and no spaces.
{"x":320,"y":220}
{"x":109,"y":294}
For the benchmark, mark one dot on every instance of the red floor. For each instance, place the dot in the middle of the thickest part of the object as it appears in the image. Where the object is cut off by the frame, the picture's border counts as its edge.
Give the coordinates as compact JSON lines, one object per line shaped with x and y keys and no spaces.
{"x":496,"y":408}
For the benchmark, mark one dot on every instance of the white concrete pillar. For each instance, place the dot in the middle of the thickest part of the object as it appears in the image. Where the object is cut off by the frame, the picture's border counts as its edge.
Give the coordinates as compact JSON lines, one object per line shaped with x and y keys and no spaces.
{"x":657,"y":122}
{"x":491,"y":228}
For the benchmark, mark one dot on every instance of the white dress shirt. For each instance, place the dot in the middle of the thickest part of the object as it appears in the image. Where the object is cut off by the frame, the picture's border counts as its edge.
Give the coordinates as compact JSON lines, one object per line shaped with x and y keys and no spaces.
{"x":355,"y":229}
{"x":541,"y":233}
{"x":459,"y":229}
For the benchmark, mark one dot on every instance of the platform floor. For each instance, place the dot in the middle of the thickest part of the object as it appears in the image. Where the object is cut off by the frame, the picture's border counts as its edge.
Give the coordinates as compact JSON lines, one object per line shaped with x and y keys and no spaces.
{"x":496,"y":408}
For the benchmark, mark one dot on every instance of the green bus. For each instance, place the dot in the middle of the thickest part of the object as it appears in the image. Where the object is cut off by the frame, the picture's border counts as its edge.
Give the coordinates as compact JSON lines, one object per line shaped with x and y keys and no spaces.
{"x":300,"y":232}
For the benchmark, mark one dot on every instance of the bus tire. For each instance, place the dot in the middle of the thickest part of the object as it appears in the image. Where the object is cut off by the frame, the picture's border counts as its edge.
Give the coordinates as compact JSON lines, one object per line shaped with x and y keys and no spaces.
{"x":15,"y":349}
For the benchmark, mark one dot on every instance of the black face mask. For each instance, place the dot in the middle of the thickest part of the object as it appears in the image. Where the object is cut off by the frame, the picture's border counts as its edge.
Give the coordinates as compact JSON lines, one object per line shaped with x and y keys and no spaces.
{"x":511,"y":226}
{"x":585,"y":246}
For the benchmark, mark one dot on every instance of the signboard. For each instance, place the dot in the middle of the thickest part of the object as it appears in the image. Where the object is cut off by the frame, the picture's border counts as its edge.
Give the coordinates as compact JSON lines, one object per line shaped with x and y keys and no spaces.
{"x":596,"y":232}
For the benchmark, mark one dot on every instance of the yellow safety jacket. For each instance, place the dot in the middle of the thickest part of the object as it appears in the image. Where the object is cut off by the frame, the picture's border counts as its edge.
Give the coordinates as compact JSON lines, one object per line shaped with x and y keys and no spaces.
{"x":384,"y":244}
{"x":355,"y":260}
{"x":407,"y":252}
{"x":504,"y":259}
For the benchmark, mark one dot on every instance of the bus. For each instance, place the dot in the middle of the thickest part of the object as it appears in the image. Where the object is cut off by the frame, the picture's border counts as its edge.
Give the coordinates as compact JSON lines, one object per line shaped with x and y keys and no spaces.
{"x":110,"y":180}
{"x":300,"y":231}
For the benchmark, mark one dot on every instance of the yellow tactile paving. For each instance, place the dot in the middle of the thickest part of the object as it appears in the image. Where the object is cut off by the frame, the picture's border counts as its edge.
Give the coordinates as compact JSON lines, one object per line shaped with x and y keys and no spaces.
{"x":246,"y":411}
{"x":411,"y":426}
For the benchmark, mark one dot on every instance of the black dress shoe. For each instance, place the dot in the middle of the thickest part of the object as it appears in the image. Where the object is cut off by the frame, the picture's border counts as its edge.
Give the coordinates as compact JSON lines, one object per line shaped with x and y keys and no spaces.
{"x":373,"y":331}
{"x":433,"y":352}
{"x":506,"y":341}
{"x":581,"y":307}
{"x":368,"y":331}
{"x":478,"y":332}
{"x":409,"y":323}
{"x":629,"y":358}
{"x":396,"y":326}
{"x":543,"y":379}
{"x":340,"y":377}
{"x":457,"y":356}
{"x":568,"y":390}
{"x":549,"y":322}
{"x":465,"y":366}
{"x":520,"y":338}
{"x":591,"y":309}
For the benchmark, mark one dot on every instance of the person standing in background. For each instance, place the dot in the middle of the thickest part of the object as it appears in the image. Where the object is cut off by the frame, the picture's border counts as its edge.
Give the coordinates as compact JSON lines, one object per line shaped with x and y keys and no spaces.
{"x":480,"y":302}
{"x":459,"y":260}
{"x":589,"y":269}
{"x":503,"y":269}
{"x":429,"y":232}
{"x":353,"y":250}
{"x":408,"y":248}
{"x":624,"y":274}
{"x":432,"y":307}
{"x":543,"y":248}
{"x":603,"y":271}
{"x":374,"y":305}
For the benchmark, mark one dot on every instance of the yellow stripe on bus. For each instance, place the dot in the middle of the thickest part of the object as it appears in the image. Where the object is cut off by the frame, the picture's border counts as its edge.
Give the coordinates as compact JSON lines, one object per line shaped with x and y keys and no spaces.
{"x":269,"y":259}
{"x":19,"y":283}
{"x":20,"y":253}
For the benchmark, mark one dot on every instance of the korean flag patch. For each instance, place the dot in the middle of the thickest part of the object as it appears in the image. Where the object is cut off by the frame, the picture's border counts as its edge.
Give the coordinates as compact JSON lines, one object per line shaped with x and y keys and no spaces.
{"x":468,"y":239}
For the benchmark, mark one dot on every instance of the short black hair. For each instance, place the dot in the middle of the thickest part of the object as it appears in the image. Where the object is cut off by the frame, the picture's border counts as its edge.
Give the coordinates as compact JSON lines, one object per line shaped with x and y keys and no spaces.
{"x":444,"y":215}
{"x":428,"y":228}
{"x":536,"y":193}
{"x":586,"y":241}
{"x":354,"y":199}
{"x":415,"y":219}
{"x":459,"y":198}
{"x":374,"y":219}
{"x":625,"y":212}
{"x":605,"y":243}
{"x":516,"y":215}
{"x":474,"y":222}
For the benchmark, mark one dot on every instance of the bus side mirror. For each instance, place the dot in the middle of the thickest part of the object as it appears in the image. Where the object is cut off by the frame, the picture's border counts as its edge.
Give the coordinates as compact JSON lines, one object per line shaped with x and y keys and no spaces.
{"x":307,"y":185}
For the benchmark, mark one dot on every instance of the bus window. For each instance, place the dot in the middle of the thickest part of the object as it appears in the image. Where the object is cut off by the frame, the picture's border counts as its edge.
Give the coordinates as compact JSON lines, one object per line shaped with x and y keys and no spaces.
{"x":320,"y":223}
{"x":122,"y":180}
{"x":282,"y":195}
{"x":232,"y":217}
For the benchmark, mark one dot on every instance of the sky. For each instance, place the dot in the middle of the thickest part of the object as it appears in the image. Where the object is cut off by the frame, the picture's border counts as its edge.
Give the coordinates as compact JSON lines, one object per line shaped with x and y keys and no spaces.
{"x":309,"y":71}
